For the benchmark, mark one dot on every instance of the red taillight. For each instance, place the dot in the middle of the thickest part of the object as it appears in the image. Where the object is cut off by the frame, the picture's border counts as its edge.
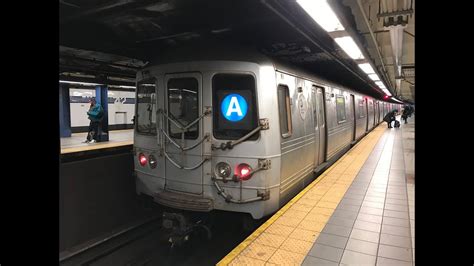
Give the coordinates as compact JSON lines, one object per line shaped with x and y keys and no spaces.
{"x":142,"y":159}
{"x":243,"y":171}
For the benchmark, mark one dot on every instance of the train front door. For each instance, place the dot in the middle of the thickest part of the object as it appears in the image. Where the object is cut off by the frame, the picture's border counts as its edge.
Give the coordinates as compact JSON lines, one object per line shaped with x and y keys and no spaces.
{"x":183,"y":132}
{"x":319,"y":124}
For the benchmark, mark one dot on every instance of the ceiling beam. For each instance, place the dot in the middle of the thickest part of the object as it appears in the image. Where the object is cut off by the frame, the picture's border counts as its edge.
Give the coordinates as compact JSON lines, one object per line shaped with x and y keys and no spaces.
{"x":94,"y":71}
{"x":93,"y":60}
{"x":119,"y":6}
{"x":96,"y":79}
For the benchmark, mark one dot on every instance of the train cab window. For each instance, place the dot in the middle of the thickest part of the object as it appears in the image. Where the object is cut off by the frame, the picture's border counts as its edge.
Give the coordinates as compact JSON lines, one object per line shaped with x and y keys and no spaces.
{"x":146,"y":107}
{"x":234,"y":106}
{"x":183,"y":106}
{"x":340,"y":108}
{"x":284,"y":110}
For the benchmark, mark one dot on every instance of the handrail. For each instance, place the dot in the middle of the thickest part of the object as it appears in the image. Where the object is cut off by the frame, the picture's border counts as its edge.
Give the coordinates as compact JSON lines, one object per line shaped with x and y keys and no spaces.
{"x":184,"y":148}
{"x":182,"y":167}
{"x":263,"y":125}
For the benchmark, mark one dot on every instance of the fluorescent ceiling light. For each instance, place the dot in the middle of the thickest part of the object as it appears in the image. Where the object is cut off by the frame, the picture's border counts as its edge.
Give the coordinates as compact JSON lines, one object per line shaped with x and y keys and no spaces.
{"x":395,"y":99}
{"x":350,"y":47}
{"x":96,"y":84}
{"x":122,"y":86}
{"x":322,"y":13}
{"x":374,"y":77}
{"x":367,"y":68}
{"x":379,"y":83}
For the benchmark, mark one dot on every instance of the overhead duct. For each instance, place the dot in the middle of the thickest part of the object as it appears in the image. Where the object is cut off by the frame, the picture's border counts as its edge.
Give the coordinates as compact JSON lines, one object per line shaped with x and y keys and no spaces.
{"x":395,"y":21}
{"x":396,"y":39}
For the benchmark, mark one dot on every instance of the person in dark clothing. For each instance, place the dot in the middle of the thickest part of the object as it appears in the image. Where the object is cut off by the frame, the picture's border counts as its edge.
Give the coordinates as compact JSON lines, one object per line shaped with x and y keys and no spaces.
{"x":406,"y":113}
{"x":95,"y":115}
{"x":390,"y":117}
{"x":411,"y":110}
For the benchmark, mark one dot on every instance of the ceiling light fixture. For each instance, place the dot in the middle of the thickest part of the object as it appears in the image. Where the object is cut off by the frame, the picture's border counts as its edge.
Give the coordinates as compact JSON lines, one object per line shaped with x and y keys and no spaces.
{"x":322,"y":13}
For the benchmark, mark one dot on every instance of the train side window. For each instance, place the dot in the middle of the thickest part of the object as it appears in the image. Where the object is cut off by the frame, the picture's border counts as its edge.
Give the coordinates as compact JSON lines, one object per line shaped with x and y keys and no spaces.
{"x":284,"y":110}
{"x":315,"y":107}
{"x":183,"y":106}
{"x":146,"y":107}
{"x":340,"y":108}
{"x":361,"y":108}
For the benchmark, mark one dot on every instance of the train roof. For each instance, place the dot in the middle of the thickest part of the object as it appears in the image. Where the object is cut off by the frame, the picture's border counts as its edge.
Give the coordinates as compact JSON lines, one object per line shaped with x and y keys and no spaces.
{"x":234,"y":52}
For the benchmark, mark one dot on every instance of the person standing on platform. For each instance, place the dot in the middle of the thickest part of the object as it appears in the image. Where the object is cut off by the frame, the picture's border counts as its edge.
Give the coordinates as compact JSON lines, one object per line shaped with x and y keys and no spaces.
{"x":95,"y":114}
{"x":406,"y":112}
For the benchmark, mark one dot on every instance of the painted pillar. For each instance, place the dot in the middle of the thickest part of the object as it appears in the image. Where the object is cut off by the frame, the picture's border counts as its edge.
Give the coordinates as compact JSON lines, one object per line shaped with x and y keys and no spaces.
{"x":102,"y":99}
{"x":64,"y":111}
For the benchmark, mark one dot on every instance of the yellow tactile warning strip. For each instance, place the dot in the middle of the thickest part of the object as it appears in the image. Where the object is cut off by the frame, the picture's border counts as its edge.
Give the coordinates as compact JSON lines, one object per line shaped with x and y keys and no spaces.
{"x":290,"y":233}
{"x":96,"y":146}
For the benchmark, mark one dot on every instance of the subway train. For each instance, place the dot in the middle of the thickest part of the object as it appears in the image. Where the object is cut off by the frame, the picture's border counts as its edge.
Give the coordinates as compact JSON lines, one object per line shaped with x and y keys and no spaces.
{"x":234,"y":130}
{"x":121,"y":108}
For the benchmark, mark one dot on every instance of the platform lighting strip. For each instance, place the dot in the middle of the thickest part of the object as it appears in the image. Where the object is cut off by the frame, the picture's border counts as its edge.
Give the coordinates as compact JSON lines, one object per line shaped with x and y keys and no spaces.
{"x":350,"y":47}
{"x":80,"y":83}
{"x":374,"y":77}
{"x":323,"y":14}
{"x":122,"y":86}
{"x":96,"y":84}
{"x":397,"y":100}
{"x":367,"y":68}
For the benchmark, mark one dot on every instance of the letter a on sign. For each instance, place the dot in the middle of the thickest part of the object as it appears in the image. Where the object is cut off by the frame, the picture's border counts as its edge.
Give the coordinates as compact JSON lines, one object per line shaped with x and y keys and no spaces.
{"x":234,"y":107}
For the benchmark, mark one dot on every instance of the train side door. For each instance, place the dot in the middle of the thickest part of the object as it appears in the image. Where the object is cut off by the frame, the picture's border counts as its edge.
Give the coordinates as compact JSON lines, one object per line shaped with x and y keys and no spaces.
{"x":352,"y":108}
{"x":317,"y":144}
{"x":378,"y":112}
{"x":317,"y":96}
{"x":373,"y":107}
{"x":366,"y":110}
{"x":321,"y":115}
{"x":183,"y":132}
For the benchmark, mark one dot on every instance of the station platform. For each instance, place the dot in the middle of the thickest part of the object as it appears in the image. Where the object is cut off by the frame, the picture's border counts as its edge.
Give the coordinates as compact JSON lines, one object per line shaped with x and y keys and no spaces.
{"x":75,"y":143}
{"x":360,"y":211}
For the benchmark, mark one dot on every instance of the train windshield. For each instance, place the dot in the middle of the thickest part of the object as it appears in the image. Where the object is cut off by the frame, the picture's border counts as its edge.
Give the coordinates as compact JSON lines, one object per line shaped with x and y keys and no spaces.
{"x":183,"y":106}
{"x":234,"y":106}
{"x":146,"y":107}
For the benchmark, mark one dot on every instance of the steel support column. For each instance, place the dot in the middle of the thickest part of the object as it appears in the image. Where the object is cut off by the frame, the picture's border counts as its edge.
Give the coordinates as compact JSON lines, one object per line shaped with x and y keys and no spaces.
{"x":64,"y":111}
{"x":102,"y":99}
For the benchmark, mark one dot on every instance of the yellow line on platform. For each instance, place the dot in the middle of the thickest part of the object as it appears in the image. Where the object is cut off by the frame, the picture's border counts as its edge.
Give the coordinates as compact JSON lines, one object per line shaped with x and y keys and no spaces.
{"x":292,"y":249}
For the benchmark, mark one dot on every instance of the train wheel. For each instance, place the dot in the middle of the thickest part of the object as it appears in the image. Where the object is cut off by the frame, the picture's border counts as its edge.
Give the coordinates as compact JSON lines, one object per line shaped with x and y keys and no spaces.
{"x":249,"y":224}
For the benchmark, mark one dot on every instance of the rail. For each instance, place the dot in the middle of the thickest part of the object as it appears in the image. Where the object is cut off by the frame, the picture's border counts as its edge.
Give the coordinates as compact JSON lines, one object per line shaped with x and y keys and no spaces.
{"x":110,"y":244}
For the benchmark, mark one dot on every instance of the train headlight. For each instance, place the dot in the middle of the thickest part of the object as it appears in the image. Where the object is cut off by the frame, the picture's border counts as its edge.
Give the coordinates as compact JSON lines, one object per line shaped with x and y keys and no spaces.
{"x":152,"y":161}
{"x":223,"y":170}
{"x":243,"y":171}
{"x":142,"y":159}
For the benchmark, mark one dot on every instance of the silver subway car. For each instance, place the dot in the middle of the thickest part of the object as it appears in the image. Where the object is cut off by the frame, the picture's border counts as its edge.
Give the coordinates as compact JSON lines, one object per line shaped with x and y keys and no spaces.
{"x":239,"y":132}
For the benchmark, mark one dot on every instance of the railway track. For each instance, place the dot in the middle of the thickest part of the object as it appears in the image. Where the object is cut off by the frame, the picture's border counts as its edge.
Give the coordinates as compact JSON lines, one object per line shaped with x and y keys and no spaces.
{"x":93,"y":253}
{"x":147,"y":243}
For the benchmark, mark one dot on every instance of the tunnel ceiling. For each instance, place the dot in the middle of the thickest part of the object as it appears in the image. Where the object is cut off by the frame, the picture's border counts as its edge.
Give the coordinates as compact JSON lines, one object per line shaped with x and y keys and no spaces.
{"x":119,"y":37}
